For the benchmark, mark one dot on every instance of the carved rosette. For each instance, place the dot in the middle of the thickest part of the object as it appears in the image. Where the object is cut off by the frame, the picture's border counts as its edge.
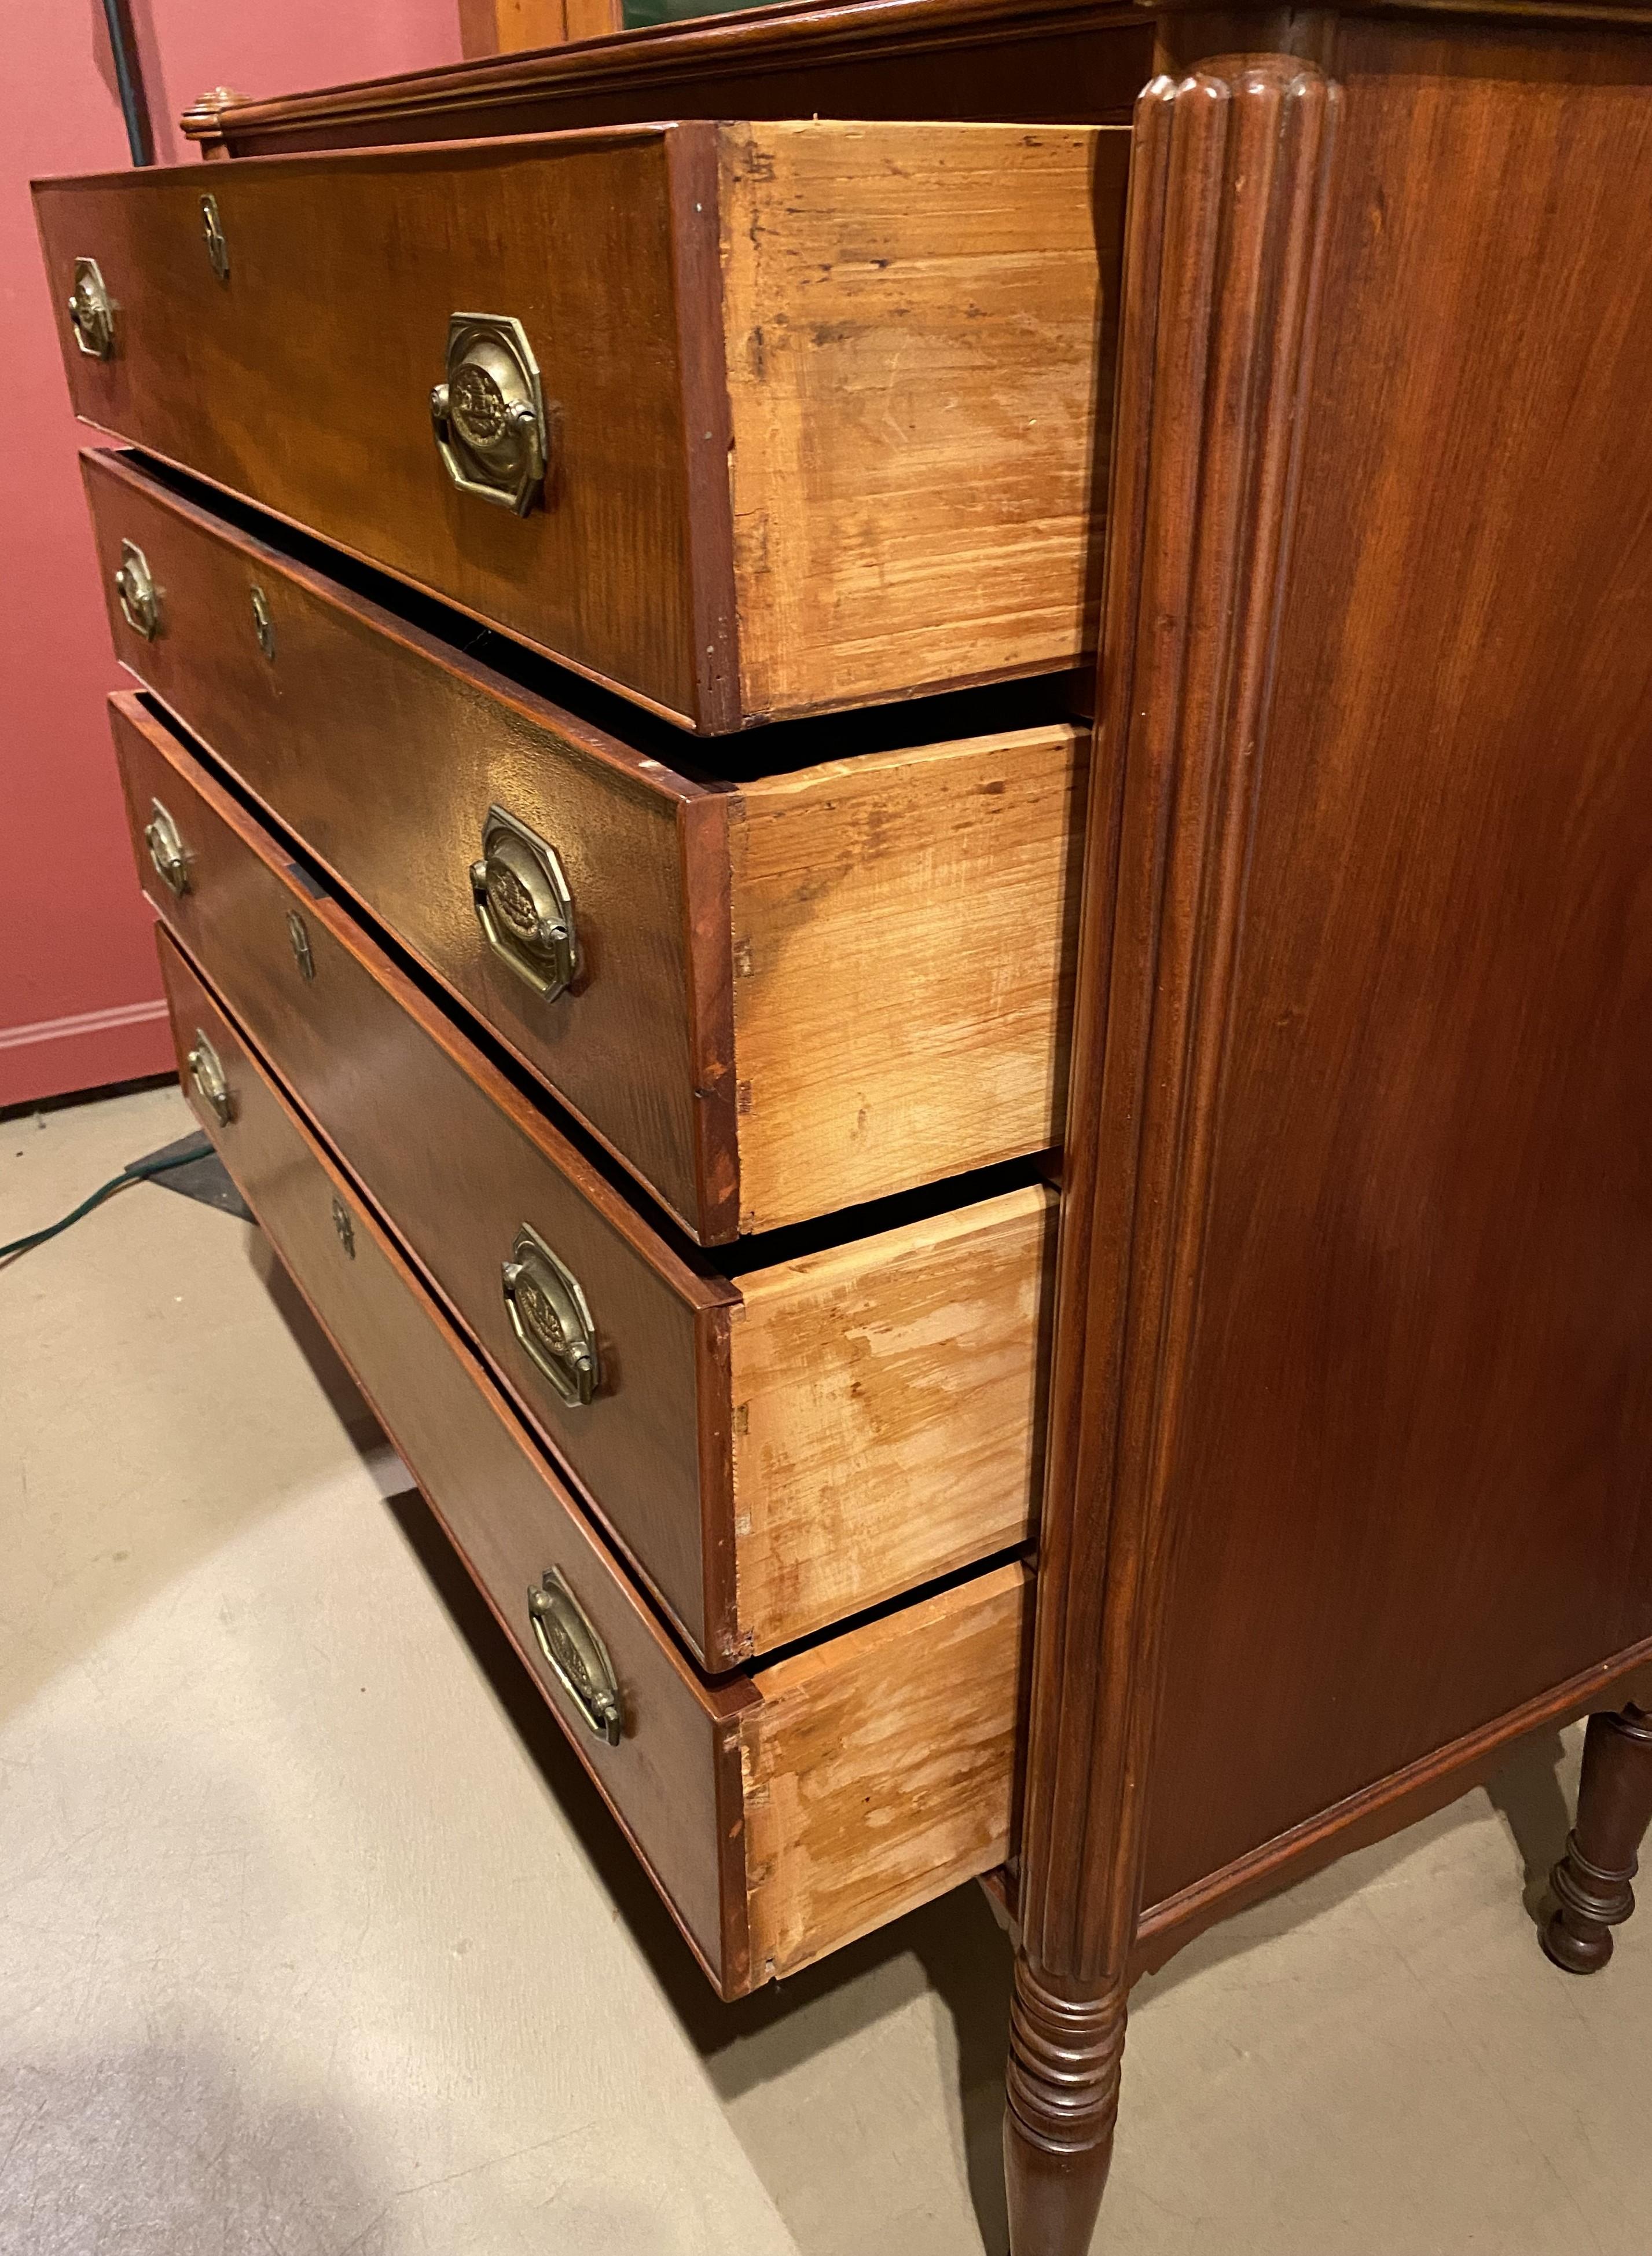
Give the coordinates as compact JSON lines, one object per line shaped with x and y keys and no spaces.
{"x":1230,"y":184}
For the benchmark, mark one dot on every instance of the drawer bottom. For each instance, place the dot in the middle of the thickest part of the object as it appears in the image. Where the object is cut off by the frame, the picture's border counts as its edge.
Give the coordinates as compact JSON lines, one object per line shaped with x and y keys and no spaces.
{"x":781,"y":1812}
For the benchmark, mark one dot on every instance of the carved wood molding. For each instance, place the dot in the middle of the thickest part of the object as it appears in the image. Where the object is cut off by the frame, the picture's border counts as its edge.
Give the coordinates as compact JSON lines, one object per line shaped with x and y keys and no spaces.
{"x":1230,"y":185}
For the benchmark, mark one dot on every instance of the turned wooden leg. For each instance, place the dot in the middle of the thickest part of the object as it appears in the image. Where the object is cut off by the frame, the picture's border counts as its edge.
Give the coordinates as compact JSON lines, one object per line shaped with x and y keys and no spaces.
{"x":1062,"y":2092}
{"x":1614,"y":1808}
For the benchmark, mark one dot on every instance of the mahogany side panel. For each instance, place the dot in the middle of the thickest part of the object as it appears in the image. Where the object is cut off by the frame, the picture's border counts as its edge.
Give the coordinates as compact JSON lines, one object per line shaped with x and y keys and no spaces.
{"x":1228,"y":190}
{"x":1420,"y":1451}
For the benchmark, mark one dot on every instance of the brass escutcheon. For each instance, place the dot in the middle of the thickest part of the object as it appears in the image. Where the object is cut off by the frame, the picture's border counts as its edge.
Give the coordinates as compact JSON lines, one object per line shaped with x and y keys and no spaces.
{"x":343,"y":1227}
{"x":213,"y":234}
{"x":263,"y":624}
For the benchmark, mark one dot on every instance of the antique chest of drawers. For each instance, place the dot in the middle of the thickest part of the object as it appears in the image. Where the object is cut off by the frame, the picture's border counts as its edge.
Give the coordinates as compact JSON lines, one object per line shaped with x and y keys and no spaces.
{"x":614,"y":606}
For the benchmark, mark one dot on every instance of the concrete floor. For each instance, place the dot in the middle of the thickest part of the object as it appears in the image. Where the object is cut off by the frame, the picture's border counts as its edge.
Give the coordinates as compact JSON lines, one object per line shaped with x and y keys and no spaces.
{"x":313,"y":1939}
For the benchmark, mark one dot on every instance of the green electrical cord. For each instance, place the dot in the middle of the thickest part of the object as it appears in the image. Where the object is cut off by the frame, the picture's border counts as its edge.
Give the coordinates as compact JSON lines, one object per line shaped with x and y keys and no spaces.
{"x":135,"y":1171}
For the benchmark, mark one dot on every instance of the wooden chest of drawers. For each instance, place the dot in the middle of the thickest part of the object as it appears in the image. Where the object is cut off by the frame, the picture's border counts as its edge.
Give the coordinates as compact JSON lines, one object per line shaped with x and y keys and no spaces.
{"x":663,"y":1126}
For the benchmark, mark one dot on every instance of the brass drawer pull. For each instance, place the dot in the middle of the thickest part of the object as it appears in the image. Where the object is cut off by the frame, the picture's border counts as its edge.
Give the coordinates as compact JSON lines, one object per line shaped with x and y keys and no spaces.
{"x":343,"y":1226}
{"x":263,"y":624}
{"x":206,"y":1071}
{"x":91,"y":311}
{"x":550,"y":1316}
{"x":524,"y":905}
{"x":489,"y":415}
{"x":140,"y":597}
{"x":577,"y":1656}
{"x":166,"y":850}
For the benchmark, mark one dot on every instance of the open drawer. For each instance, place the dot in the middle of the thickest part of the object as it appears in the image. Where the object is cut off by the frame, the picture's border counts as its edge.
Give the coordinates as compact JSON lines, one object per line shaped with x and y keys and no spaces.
{"x":781,"y":1812}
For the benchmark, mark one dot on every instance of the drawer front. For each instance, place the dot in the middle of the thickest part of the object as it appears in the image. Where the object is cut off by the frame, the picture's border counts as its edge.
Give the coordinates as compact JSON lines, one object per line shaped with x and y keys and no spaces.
{"x":828,"y":985}
{"x":498,"y":1499}
{"x":462,"y":1162}
{"x":302,"y":377}
{"x":825,"y":407}
{"x":385,"y":751}
{"x":774,"y":1454}
{"x":776,"y":1811}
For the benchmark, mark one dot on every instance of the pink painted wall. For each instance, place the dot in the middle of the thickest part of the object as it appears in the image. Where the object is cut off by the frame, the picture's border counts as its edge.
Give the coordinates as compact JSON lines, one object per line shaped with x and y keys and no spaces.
{"x":79,"y":989}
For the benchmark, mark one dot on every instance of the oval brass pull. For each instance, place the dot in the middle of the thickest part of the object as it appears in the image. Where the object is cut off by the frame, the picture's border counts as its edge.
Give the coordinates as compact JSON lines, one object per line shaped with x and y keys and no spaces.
{"x":577,"y":1656}
{"x":206,"y":1071}
{"x":524,"y":905}
{"x":550,"y":1316}
{"x":140,"y":597}
{"x":91,"y":311}
{"x":263,"y":624}
{"x":489,"y":415}
{"x":212,"y":232}
{"x":166,"y":850}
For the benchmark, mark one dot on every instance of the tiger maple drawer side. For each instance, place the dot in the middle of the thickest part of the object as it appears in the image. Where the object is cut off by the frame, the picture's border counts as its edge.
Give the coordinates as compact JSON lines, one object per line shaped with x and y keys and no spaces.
{"x":921,"y":325}
{"x":881,"y":1768}
{"x":904,"y":931}
{"x":886,"y":1401}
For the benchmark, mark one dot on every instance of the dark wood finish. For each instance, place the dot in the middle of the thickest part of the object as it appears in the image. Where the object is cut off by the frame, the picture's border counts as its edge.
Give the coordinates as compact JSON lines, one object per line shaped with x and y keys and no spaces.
{"x":499,"y":1500}
{"x":885,"y":1041}
{"x":737,"y":331}
{"x":641,"y":1048}
{"x":773,"y":1811}
{"x":703,"y":1463}
{"x":1424,"y":1309}
{"x":304,"y":381}
{"x":1074,"y":60}
{"x":460,"y":1159}
{"x":1219,"y":301}
{"x":1351,"y":1418}
{"x":1592,"y":1881}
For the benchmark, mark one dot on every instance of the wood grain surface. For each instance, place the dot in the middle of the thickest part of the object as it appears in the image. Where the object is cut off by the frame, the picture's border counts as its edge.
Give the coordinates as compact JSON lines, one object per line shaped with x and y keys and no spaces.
{"x":1055,"y":63}
{"x":496,"y":1496}
{"x":887,"y":1409}
{"x":383,"y":747}
{"x":885,"y":1414}
{"x":302,"y":380}
{"x":920,"y":364}
{"x":1425,"y":1307}
{"x":904,"y":930}
{"x":903,"y":920}
{"x":879,"y":1767}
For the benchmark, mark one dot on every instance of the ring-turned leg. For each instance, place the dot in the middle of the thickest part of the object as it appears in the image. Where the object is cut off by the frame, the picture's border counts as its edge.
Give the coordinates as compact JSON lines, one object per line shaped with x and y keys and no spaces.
{"x":1062,"y":2092}
{"x":1592,"y":1881}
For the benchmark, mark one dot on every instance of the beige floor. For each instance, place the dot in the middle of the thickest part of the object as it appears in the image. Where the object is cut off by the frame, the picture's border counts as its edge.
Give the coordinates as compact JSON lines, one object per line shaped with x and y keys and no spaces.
{"x":313,"y":1941}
